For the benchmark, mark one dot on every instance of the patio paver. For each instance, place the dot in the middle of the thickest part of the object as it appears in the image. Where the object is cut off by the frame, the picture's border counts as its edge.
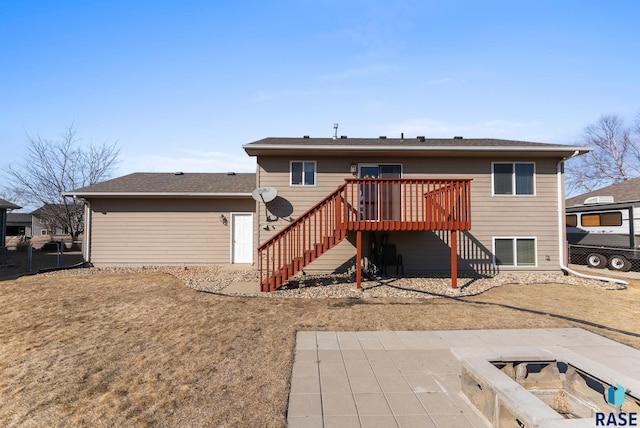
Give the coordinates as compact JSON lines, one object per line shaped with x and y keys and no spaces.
{"x":412,"y":378}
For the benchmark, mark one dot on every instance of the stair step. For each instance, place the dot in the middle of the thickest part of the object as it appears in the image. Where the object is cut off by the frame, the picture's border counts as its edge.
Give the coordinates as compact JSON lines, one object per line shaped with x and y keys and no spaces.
{"x":323,"y":244}
{"x":309,"y":256}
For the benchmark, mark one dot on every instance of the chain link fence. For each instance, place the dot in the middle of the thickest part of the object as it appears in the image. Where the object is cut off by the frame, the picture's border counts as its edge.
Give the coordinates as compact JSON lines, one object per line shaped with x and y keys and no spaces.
{"x":603,"y":257}
{"x":22,"y":257}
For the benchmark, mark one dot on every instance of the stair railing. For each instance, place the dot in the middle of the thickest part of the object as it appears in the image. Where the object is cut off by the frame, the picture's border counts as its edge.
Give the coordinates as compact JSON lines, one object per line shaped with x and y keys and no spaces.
{"x":314,"y":232}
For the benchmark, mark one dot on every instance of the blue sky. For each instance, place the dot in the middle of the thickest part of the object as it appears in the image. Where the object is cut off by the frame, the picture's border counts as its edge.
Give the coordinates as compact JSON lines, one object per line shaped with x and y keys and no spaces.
{"x":182,"y":85}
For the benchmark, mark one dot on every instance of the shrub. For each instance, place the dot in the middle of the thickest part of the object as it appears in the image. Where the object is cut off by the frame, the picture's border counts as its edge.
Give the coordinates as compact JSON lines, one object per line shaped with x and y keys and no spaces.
{"x":23,"y":243}
{"x":52,"y":246}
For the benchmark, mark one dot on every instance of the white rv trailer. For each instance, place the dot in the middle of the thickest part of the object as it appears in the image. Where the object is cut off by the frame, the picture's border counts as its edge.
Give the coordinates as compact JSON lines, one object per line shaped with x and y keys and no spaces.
{"x":605,"y":233}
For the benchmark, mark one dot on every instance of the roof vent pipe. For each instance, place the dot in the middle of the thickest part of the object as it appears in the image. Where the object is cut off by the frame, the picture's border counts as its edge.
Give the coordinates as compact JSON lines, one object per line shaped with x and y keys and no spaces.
{"x":305,"y":136}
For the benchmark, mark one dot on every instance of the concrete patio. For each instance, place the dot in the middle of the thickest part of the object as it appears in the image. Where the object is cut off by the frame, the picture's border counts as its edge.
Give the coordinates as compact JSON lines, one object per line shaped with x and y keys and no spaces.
{"x":412,"y":378}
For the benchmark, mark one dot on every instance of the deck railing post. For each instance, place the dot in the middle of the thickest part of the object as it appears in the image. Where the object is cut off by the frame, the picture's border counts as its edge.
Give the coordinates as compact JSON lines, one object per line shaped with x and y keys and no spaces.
{"x":454,"y":259}
{"x":366,"y":204}
{"x":359,"y":259}
{"x":338,"y":214}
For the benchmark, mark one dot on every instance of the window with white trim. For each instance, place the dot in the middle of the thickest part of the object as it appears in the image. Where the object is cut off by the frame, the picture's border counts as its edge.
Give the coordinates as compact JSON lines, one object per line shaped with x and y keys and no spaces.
{"x":514,"y":251}
{"x":303,"y":173}
{"x":513,"y":178}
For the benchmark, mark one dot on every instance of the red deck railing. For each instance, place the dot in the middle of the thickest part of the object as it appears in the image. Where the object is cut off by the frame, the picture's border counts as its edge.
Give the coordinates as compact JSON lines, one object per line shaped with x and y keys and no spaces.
{"x":407,"y":204}
{"x":363,"y":204}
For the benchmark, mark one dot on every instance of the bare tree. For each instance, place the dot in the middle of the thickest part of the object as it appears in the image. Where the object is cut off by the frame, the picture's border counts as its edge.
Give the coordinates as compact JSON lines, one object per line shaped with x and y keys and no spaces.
{"x":635,"y":135}
{"x":52,"y":167}
{"x":615,"y":158}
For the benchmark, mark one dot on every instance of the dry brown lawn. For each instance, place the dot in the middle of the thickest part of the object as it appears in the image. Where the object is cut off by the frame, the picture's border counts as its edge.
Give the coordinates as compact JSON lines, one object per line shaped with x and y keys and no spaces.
{"x":145,"y":350}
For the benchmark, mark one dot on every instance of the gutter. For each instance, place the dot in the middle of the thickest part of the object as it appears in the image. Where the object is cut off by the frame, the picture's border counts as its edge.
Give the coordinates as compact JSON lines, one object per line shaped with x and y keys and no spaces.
{"x":158,"y":194}
{"x":255,"y":150}
{"x":561,"y":229}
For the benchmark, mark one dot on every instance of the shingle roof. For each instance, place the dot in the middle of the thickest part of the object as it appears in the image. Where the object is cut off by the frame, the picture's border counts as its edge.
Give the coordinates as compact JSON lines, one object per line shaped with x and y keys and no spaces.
{"x":47,"y":209}
{"x":19,"y":218}
{"x":4,"y":204}
{"x":408,"y":144}
{"x":625,"y":191}
{"x":178,"y":184}
{"x":415,"y":142}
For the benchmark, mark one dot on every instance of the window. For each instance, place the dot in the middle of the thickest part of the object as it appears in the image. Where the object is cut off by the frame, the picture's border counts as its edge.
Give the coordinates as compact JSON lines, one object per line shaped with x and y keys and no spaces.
{"x":601,"y":219}
{"x":513,"y":178}
{"x":514,"y":251}
{"x":380,"y":201}
{"x":44,"y":232}
{"x":303,"y":173}
{"x":572,"y":220}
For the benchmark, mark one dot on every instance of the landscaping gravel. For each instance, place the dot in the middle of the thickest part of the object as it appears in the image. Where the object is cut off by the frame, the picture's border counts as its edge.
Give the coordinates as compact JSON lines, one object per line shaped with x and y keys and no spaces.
{"x":215,"y":279}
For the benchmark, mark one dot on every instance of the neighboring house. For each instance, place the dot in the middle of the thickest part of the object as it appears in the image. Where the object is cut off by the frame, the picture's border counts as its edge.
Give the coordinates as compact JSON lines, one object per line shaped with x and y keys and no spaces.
{"x":169,"y":218}
{"x":49,"y":218}
{"x":624,"y":191}
{"x":19,"y":224}
{"x":4,"y":206}
{"x":445,"y":206}
{"x":36,"y":223}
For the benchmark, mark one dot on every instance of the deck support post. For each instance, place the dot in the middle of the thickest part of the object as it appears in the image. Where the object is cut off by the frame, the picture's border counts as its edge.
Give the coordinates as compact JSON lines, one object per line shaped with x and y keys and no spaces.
{"x":359,"y":259}
{"x":454,"y":259}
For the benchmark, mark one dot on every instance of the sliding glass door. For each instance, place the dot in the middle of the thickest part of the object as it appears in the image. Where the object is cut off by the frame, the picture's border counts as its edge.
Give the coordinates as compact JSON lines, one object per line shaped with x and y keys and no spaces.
{"x":380,"y":201}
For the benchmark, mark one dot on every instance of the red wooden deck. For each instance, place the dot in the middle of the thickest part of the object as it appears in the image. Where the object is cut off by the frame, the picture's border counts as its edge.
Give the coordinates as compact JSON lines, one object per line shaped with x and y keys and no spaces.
{"x":366,"y":204}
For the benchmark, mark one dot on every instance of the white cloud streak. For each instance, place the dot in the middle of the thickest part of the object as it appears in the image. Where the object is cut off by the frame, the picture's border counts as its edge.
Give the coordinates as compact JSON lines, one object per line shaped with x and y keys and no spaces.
{"x":359,"y":72}
{"x":496,"y":128}
{"x":188,"y":161}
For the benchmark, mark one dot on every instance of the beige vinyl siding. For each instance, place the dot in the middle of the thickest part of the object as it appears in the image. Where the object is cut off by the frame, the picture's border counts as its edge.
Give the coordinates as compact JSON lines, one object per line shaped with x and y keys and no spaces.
{"x":521,"y":216}
{"x":492,"y":216}
{"x":163,"y":231}
{"x":295,"y":200}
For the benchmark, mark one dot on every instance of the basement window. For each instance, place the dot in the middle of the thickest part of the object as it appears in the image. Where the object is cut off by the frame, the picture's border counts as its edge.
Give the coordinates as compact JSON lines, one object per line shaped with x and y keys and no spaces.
{"x":514,"y":251}
{"x":303,"y":173}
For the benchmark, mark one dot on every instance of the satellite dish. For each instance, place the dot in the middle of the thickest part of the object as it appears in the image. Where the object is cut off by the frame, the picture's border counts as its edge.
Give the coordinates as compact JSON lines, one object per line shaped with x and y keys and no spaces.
{"x":264,"y":194}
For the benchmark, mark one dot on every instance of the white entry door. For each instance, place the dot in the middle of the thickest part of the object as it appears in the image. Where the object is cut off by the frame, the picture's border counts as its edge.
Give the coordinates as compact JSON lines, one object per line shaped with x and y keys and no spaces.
{"x":242,"y":238}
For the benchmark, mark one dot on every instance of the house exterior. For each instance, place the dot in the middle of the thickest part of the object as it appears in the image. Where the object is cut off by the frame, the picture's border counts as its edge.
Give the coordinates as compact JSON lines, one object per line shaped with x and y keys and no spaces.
{"x":4,"y":206}
{"x":625,"y":191}
{"x":19,"y":224}
{"x":438,"y":206}
{"x":510,"y":192}
{"x":40,"y":222}
{"x":603,"y":227}
{"x":48,"y":220}
{"x":169,"y":218}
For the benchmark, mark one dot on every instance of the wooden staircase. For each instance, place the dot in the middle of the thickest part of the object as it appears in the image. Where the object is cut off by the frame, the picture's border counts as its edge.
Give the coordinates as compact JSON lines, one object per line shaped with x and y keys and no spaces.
{"x":312,"y":234}
{"x":363,"y":205}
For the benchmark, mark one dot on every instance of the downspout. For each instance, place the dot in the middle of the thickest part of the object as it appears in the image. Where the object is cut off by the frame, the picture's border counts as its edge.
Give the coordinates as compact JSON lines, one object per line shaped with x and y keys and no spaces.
{"x":86,"y":242}
{"x":561,"y":229}
{"x":3,"y":225}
